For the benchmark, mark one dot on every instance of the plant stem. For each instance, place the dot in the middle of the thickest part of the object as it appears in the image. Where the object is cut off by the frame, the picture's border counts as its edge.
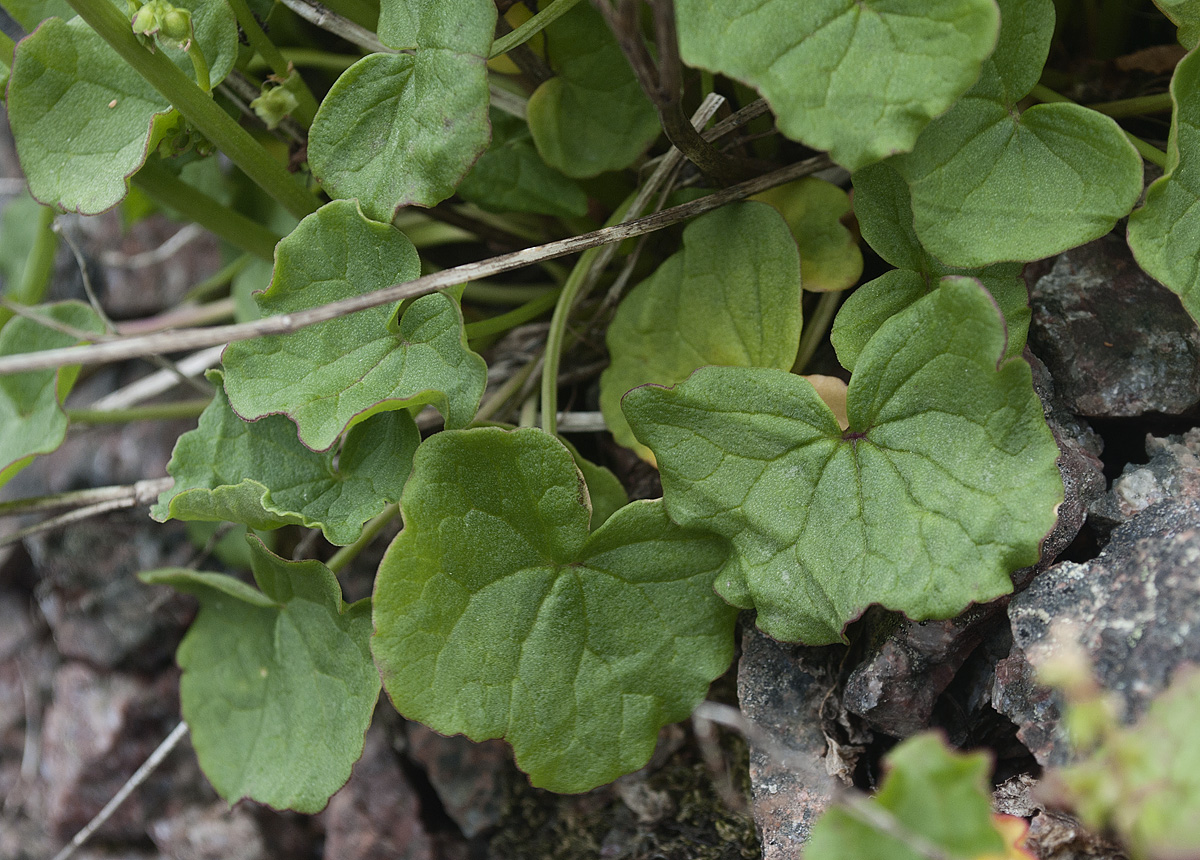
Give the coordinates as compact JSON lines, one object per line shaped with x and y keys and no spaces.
{"x":815,"y":329}
{"x":154,"y":412}
{"x":370,"y":531}
{"x":39,"y":267}
{"x":198,"y":338}
{"x":266,"y":49}
{"x":308,"y":58}
{"x":197,"y":107}
{"x":143,"y":492}
{"x":213,"y":283}
{"x":556,"y":334}
{"x":1151,"y":153}
{"x":482,"y":293}
{"x":325,"y":18}
{"x":532,"y":27}
{"x":1157,"y":103}
{"x":169,"y":190}
{"x":531,"y":310}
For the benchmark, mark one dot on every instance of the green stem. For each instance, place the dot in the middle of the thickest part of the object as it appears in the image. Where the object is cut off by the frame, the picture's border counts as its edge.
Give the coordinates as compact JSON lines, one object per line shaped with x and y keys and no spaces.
{"x":1149,"y":152}
{"x":815,"y":329}
{"x":199,"y":66}
{"x":39,"y":267}
{"x":308,"y":58}
{"x":153,"y":412}
{"x":557,"y":334}
{"x":532,"y":27}
{"x":197,"y":107}
{"x":213,"y":283}
{"x":370,"y":531}
{"x":483,"y":293}
{"x":531,"y":310}
{"x":236,"y":229}
{"x":1157,"y":103}
{"x":266,"y":49}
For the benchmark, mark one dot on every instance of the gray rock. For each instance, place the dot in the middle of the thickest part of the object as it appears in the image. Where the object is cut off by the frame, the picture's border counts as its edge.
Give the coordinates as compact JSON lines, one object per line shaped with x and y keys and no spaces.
{"x":1172,"y":473}
{"x":90,"y":596}
{"x":98,"y":731}
{"x":783,"y":689}
{"x":467,"y":776}
{"x":1117,"y":342}
{"x":377,"y":815}
{"x":1134,"y":610}
{"x":213,"y":832}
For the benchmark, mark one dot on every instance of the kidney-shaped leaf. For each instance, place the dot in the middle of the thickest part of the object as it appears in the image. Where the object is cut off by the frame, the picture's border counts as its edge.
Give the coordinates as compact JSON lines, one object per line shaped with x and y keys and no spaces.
{"x":883,"y":207}
{"x":592,"y":116}
{"x":990,"y":183}
{"x":813,"y":209}
{"x":498,"y":615}
{"x":935,"y":793}
{"x":511,"y":176}
{"x":278,"y":686}
{"x":731,"y":296}
{"x":258,"y":473}
{"x":1165,"y":233}
{"x":1184,"y":14}
{"x":82,"y":118}
{"x":336,"y":373}
{"x":31,"y":418}
{"x":858,"y":79}
{"x":943,"y":483}
{"x":399,"y":129}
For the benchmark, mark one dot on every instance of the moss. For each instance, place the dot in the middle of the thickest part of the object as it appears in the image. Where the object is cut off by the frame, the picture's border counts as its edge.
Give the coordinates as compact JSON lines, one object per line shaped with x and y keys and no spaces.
{"x":539,"y":825}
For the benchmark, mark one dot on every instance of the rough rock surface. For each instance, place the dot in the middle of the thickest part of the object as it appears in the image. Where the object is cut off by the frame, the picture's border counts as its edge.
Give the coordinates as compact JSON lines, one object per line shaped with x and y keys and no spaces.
{"x":1172,"y":473}
{"x":377,"y":815}
{"x":1117,"y":342}
{"x":783,"y":689}
{"x":98,"y":730}
{"x":466,"y":775}
{"x":213,"y":832}
{"x":1134,"y":611}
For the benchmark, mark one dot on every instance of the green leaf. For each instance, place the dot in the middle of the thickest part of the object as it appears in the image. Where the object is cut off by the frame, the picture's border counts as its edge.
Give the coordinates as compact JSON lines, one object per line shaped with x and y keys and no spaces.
{"x":731,"y":296}
{"x":30,"y":13}
{"x":1184,"y":14}
{"x":883,"y":207}
{"x":332,"y":375}
{"x":944,"y":482}
{"x":497,"y":614}
{"x":261,"y":475}
{"x":1165,"y":233}
{"x":511,"y":176}
{"x":929,"y":791}
{"x":813,"y":209}
{"x":593,"y":116}
{"x":19,"y":227}
{"x":990,"y":183}
{"x":1144,"y":780}
{"x":83,"y":119}
{"x":278,"y":686}
{"x":858,"y":79}
{"x":31,"y":418}
{"x":605,"y":490}
{"x":402,"y":129}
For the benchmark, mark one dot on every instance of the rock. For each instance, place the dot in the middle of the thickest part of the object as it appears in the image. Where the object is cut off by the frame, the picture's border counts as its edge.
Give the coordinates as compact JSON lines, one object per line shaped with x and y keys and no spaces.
{"x":1133,"y":610}
{"x":212,"y":832}
{"x":467,"y":776}
{"x":782,"y":689}
{"x":1172,"y":473}
{"x":377,"y":815}
{"x":1117,"y":342}
{"x":98,"y":731}
{"x":99,"y":612}
{"x":1054,"y":836}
